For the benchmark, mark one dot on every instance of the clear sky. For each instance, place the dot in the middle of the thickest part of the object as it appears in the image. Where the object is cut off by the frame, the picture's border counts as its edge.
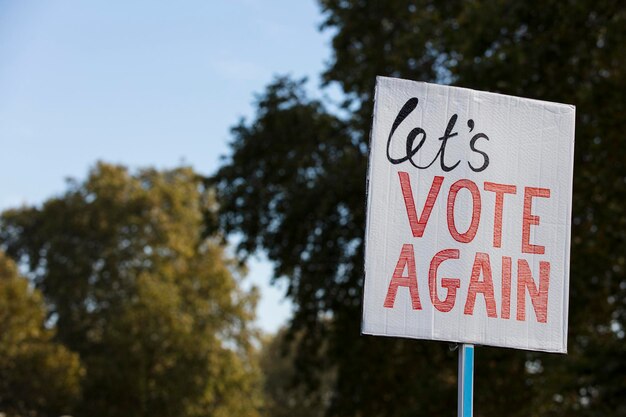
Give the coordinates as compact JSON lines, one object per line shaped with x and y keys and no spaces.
{"x":141,"y":83}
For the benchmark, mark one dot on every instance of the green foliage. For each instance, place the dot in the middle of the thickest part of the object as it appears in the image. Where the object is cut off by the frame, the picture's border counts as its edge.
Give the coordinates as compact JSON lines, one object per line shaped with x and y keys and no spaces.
{"x":153,"y":309}
{"x":285,"y":394}
{"x":38,"y":377}
{"x":294,"y":186}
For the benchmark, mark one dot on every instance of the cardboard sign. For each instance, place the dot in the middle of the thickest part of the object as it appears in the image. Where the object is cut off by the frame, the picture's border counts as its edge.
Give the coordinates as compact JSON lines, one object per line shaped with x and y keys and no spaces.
{"x":468,"y":217}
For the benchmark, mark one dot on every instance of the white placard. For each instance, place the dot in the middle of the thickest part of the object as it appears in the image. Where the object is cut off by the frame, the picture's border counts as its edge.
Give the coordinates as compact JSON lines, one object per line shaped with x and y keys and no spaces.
{"x":468,"y":217}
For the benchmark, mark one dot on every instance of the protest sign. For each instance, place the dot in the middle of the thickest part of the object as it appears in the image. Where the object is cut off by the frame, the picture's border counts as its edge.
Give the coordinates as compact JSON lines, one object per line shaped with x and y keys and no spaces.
{"x":468,"y":217}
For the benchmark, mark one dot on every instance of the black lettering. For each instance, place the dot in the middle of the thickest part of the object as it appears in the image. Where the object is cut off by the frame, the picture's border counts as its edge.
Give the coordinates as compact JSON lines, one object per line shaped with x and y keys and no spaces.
{"x":416,"y":139}
{"x":485,"y":156}
{"x":404,"y":112}
{"x":444,"y":141}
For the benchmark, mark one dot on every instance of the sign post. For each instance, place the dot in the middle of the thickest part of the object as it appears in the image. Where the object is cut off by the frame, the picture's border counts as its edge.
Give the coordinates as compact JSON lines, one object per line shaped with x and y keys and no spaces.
{"x":468,"y":220}
{"x":466,"y":381}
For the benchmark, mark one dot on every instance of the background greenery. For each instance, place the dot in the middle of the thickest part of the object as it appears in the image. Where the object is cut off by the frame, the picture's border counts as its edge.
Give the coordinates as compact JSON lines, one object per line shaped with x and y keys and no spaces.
{"x":152,"y":309}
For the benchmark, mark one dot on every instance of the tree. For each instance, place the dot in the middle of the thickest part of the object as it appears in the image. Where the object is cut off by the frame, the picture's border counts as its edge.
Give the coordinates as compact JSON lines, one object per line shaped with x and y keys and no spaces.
{"x":153,"y":309}
{"x":38,"y":377}
{"x":285,"y":393}
{"x":295,"y":180}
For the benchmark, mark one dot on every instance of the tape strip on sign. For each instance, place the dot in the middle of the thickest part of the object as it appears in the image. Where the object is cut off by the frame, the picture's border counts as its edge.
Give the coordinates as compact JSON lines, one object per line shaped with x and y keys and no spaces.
{"x":468,"y":217}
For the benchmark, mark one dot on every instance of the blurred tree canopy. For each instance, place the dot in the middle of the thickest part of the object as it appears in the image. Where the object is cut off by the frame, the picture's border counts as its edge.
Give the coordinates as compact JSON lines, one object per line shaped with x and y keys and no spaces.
{"x":285,"y":395}
{"x":38,"y":376}
{"x":294,"y":186}
{"x":153,"y":309}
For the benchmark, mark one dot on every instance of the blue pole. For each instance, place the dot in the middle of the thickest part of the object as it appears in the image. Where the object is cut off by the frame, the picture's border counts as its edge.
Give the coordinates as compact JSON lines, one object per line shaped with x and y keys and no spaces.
{"x":466,"y":381}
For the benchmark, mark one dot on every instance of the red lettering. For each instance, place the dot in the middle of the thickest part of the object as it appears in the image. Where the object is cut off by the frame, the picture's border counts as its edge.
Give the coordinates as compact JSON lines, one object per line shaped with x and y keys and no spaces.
{"x":538,"y":297}
{"x":418,"y":224}
{"x":407,"y":259}
{"x":529,"y":219}
{"x":500,"y":190}
{"x":450,"y":283}
{"x":506,"y":288}
{"x":485,"y":287}
{"x":469,"y":235}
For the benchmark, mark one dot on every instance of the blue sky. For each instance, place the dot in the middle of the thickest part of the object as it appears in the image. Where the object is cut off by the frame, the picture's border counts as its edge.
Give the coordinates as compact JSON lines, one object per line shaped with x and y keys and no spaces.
{"x":141,"y":83}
